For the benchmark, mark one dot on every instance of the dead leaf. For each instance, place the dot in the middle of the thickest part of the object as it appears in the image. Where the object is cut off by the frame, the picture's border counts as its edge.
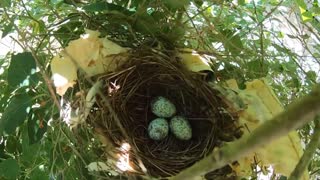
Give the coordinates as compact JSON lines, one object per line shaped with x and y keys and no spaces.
{"x":64,"y":73}
{"x":282,"y":154}
{"x":90,"y":54}
{"x":193,"y":61}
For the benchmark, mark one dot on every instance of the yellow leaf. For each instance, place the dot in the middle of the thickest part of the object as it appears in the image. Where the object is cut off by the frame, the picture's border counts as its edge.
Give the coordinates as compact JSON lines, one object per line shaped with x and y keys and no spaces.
{"x":282,"y":154}
{"x":85,"y":52}
{"x":89,"y":53}
{"x":64,"y":73}
{"x":193,"y":61}
{"x":110,"y":48}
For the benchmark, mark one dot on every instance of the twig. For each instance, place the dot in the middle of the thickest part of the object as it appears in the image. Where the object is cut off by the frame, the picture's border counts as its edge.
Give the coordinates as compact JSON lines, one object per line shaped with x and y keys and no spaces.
{"x":308,"y":154}
{"x":34,"y":55}
{"x":297,"y":114}
{"x":47,"y":80}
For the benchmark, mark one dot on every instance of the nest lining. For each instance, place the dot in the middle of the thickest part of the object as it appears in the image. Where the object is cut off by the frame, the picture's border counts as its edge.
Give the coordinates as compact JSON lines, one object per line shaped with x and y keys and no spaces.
{"x":130,"y":91}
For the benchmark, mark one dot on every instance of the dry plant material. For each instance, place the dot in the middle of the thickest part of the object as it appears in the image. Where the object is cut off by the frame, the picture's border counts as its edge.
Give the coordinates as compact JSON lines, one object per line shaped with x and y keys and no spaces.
{"x":130,"y":90}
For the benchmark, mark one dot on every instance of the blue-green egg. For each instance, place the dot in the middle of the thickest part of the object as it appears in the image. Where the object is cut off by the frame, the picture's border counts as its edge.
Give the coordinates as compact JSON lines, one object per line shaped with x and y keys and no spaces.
{"x":158,"y":129}
{"x":163,"y":107}
{"x":181,"y":128}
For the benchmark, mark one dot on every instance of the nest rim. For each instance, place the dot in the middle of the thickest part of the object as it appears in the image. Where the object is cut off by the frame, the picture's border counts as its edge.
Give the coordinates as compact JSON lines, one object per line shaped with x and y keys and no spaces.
{"x":147,"y":75}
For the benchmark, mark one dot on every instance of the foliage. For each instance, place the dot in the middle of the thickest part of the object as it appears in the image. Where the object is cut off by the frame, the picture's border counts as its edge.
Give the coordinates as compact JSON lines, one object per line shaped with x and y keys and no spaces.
{"x":243,"y":40}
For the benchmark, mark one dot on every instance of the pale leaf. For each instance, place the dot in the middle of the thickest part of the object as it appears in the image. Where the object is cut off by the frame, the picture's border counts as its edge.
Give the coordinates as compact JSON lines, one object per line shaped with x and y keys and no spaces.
{"x":111,"y":48}
{"x":282,"y":154}
{"x":193,"y":61}
{"x":64,"y":73}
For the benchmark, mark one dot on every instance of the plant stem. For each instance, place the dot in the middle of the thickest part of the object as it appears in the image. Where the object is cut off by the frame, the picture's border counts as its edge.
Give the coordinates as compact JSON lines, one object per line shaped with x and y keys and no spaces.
{"x":297,"y":113}
{"x":308,"y":154}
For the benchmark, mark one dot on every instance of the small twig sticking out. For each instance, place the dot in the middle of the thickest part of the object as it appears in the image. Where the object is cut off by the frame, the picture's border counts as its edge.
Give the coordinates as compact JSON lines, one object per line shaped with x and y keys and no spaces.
{"x":308,"y":154}
{"x":297,"y":113}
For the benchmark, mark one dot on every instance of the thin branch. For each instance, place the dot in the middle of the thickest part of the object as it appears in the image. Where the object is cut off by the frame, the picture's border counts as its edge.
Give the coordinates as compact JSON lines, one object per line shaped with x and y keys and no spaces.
{"x":308,"y":154}
{"x":298,"y":113}
{"x":47,"y":80}
{"x":315,"y":171}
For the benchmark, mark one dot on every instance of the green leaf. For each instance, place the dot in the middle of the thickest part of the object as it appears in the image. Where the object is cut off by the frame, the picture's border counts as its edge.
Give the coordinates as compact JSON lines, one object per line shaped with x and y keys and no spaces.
{"x":283,"y":178}
{"x":305,"y":36}
{"x":9,"y":169}
{"x":173,"y":4}
{"x":198,"y":2}
{"x":15,"y":113}
{"x":2,"y":148}
{"x":30,"y":154}
{"x":20,"y":68}
{"x":315,"y":10}
{"x":312,"y":76}
{"x":5,"y":3}
{"x":39,"y":174}
{"x":69,"y":31}
{"x":258,"y":68}
{"x":65,"y":153}
{"x":11,"y":144}
{"x":6,"y":30}
{"x":242,"y":2}
{"x":306,"y":15}
{"x":143,"y":24}
{"x":234,"y":44}
{"x":36,"y":125}
{"x":104,"y":6}
{"x":289,"y":67}
{"x":301,"y":4}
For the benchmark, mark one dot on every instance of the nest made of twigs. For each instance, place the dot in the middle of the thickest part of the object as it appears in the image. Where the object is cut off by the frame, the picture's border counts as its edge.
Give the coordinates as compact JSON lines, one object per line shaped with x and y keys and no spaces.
{"x":126,"y":114}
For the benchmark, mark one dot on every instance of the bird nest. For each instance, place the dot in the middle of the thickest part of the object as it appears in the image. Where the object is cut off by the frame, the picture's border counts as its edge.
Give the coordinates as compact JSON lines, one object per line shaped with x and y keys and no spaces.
{"x":125,"y":113}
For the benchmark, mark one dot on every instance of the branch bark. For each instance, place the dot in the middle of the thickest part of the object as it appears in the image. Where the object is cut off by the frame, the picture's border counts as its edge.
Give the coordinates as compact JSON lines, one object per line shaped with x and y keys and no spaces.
{"x":308,"y":154}
{"x":297,"y":114}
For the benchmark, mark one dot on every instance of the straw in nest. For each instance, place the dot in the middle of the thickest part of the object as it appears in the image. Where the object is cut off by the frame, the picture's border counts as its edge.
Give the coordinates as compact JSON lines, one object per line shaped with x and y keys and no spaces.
{"x":125,"y":116}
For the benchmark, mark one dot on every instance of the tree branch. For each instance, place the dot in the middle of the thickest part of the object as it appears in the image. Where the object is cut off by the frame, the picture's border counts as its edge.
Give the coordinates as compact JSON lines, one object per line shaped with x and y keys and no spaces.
{"x":297,"y":113}
{"x":308,"y":154}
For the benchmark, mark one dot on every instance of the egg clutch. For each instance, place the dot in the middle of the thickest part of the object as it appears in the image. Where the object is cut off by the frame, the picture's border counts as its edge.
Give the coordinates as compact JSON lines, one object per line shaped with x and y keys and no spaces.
{"x":158,"y":128}
{"x":170,"y":116}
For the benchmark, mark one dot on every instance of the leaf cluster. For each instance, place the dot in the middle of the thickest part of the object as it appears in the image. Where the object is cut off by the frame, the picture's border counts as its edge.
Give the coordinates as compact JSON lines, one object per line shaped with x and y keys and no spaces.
{"x":238,"y":36}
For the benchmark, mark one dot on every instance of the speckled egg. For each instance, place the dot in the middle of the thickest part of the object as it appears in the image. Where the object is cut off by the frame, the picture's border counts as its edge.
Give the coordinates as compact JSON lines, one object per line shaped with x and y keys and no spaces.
{"x":158,"y":129}
{"x":181,"y":128}
{"x":162,"y":107}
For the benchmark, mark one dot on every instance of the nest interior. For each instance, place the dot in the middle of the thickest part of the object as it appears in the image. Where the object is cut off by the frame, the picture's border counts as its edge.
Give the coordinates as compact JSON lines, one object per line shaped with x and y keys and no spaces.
{"x":126,"y":116}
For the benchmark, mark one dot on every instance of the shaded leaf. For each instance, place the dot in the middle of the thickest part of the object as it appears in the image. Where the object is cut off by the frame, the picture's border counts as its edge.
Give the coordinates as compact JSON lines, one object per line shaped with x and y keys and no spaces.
{"x":6,"y":30}
{"x":20,"y":68}
{"x":231,"y":41}
{"x":11,"y":144}
{"x":30,"y":154}
{"x":64,"y":155}
{"x":171,"y":4}
{"x":5,"y":3}
{"x":39,"y":174}
{"x":2,"y":147}
{"x":104,"y":6}
{"x":15,"y":114}
{"x":36,"y":125}
{"x":258,"y":68}
{"x":198,"y":2}
{"x":69,"y":31}
{"x":9,"y":169}
{"x":311,"y":75}
{"x":143,"y":24}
